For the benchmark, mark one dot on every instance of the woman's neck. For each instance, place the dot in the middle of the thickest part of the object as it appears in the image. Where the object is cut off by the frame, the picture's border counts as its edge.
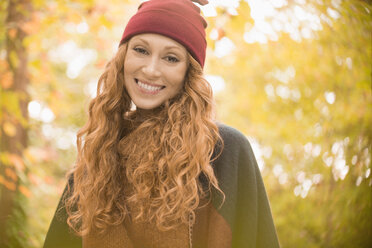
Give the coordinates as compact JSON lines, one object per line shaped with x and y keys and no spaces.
{"x":145,"y":113}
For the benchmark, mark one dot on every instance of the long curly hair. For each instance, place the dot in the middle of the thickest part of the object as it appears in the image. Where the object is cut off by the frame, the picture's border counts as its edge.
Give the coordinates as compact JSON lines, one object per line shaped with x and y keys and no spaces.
{"x":153,"y":161}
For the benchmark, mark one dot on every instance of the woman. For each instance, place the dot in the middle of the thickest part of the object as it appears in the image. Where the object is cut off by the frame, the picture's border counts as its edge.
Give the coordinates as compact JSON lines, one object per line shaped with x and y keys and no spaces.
{"x":162,"y":173}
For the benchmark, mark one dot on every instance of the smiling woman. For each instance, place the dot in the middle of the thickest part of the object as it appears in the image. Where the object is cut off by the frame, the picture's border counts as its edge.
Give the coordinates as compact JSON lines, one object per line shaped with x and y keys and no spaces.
{"x":164,"y":174}
{"x":154,"y":69}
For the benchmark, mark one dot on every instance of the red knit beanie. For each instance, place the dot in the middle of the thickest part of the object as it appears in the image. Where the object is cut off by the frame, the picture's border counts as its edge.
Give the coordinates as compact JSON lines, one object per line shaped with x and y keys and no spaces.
{"x":179,"y":20}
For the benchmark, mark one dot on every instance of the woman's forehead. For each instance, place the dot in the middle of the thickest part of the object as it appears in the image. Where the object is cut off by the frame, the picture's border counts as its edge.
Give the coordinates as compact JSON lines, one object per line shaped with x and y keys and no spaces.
{"x":157,"y":39}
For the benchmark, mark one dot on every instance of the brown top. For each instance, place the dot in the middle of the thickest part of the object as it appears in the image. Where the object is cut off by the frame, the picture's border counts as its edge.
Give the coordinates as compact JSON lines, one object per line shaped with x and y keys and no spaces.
{"x":209,"y":231}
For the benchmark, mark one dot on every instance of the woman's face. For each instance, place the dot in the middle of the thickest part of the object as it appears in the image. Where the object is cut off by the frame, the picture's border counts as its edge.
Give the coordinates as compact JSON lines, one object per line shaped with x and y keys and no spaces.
{"x":154,"y":69}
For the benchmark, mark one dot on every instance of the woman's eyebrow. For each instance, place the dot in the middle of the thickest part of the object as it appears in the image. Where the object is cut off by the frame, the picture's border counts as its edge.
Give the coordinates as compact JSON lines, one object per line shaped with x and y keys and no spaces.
{"x":175,"y":49}
{"x":171,"y":47}
{"x":166,"y":47}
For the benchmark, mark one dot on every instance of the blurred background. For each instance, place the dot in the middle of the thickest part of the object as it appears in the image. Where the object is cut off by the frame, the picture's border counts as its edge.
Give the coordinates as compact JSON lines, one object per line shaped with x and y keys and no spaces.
{"x":292,"y":75}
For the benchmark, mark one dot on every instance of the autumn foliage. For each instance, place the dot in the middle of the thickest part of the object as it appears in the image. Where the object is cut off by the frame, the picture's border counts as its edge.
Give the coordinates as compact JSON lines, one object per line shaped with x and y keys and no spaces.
{"x":294,"y":76}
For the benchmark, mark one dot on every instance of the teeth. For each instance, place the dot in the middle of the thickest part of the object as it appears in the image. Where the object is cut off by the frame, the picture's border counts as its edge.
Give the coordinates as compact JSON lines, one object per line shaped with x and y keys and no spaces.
{"x":149,"y":87}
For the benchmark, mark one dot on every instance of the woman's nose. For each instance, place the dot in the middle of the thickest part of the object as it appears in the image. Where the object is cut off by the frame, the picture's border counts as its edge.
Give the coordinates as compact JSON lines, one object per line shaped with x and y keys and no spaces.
{"x":151,"y":68}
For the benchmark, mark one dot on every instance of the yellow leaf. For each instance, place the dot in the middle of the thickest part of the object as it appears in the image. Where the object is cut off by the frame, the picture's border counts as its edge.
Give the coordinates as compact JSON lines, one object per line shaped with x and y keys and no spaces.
{"x":75,"y":17}
{"x":105,"y":22}
{"x":9,"y":129}
{"x":36,"y":64}
{"x":14,"y":59}
{"x":4,"y":158}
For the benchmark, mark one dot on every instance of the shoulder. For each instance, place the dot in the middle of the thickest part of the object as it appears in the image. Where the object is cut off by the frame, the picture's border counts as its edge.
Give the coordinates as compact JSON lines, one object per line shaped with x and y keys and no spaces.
{"x":228,"y":130}
{"x":235,"y":153}
{"x":232,"y":137}
{"x":235,"y":148}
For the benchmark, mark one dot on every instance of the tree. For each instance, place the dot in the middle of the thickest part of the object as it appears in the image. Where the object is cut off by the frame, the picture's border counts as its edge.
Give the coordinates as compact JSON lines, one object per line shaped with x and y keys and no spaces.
{"x":13,"y":122}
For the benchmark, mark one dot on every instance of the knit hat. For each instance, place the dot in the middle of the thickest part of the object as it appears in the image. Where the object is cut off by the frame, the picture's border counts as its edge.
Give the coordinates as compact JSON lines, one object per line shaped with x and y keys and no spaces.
{"x":179,"y":20}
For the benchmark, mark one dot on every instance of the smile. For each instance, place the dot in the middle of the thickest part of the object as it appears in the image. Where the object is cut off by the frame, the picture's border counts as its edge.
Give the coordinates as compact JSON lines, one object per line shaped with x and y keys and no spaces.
{"x":149,"y":88}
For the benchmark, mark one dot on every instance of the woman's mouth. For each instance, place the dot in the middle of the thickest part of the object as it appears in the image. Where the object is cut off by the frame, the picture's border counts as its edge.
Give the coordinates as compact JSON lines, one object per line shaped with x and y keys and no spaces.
{"x":149,"y":88}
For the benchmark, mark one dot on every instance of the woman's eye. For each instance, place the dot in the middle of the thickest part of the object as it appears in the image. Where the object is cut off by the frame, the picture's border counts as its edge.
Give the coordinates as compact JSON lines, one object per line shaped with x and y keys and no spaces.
{"x":172,"y":59}
{"x":140,"y":50}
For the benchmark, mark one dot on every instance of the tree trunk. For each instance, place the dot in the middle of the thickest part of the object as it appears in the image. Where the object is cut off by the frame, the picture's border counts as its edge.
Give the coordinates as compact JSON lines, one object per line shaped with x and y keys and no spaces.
{"x":13,"y":119}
